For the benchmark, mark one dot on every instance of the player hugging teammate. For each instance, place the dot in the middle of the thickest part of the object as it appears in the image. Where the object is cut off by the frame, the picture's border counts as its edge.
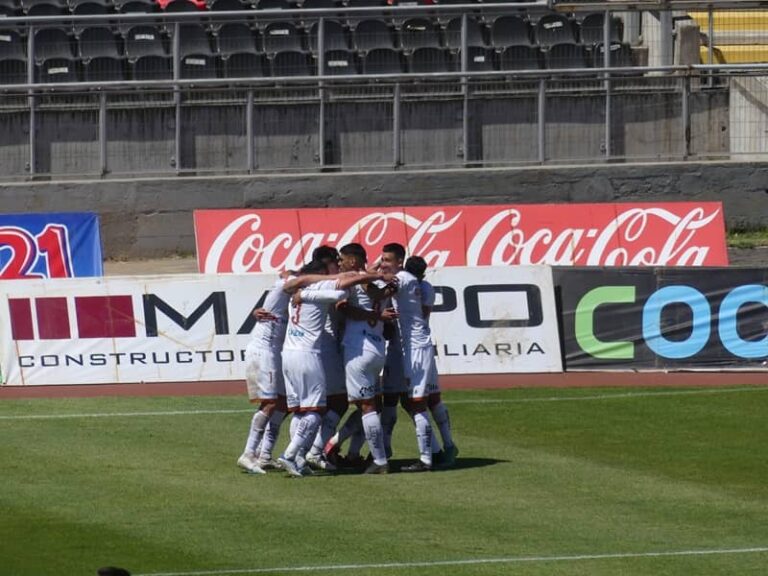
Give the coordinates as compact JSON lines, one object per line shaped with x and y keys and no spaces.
{"x":319,"y":345}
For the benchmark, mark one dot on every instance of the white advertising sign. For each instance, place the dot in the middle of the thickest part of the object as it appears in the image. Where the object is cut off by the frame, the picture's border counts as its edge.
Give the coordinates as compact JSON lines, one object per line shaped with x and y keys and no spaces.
{"x":196,"y":327}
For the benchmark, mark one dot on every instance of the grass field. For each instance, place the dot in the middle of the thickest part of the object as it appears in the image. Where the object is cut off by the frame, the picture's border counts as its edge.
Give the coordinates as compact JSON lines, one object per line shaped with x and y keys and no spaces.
{"x":573,"y":482}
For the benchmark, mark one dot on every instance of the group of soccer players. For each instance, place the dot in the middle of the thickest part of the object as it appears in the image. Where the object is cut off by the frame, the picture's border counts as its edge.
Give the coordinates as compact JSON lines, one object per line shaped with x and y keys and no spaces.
{"x":336,"y":333}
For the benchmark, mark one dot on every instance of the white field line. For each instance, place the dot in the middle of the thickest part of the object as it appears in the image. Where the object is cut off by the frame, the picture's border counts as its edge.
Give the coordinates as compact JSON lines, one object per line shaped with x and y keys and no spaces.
{"x":617,"y":396}
{"x":467,"y":562}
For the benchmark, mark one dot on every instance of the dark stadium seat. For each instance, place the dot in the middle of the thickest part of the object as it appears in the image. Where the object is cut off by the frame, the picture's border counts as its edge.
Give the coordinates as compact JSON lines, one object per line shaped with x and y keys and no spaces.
{"x":335,"y":36}
{"x":57,"y":70}
{"x":89,"y":7}
{"x":236,"y":38}
{"x":340,"y":63}
{"x":227,"y":5}
{"x":104,"y":69}
{"x":246,"y":65}
{"x":98,"y":42}
{"x":198,"y":66}
{"x":318,"y":4}
{"x":479,"y":59}
{"x":620,"y":56}
{"x":554,"y":29}
{"x":592,"y":29}
{"x":44,"y":7}
{"x":12,"y":46}
{"x":10,"y":8}
{"x":52,"y":43}
{"x":510,"y":31}
{"x":291,"y":63}
{"x":428,"y":59}
{"x":13,"y":71}
{"x":371,"y":34}
{"x":275,"y":5}
{"x":419,"y":33}
{"x":136,"y":7}
{"x":475,"y":33}
{"x":383,"y":61}
{"x":144,"y":40}
{"x":152,"y":67}
{"x":281,"y":37}
{"x":521,"y":58}
{"x":568,"y":56}
{"x":194,"y":39}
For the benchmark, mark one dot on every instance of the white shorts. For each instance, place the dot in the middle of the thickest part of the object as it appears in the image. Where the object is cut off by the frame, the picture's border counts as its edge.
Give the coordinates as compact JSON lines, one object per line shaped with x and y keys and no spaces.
{"x":423,"y":373}
{"x":362,"y":367}
{"x":263,"y":374}
{"x":393,"y":379}
{"x":304,"y":380}
{"x":333,"y":367}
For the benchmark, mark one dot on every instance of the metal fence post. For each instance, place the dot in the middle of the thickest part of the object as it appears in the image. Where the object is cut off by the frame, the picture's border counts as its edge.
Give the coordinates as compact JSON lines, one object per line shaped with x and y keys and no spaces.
{"x":465,"y":92}
{"x":321,"y":92}
{"x":31,"y":100}
{"x":177,"y":96}
{"x":542,"y":120}
{"x":397,"y":160}
{"x":686,"y":115}
{"x":103,"y":163}
{"x":607,"y":64}
{"x":251,"y":165}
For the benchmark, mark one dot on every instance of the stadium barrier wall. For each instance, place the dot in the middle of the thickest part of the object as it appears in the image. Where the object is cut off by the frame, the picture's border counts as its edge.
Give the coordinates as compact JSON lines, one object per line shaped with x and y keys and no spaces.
{"x":663,"y":318}
{"x":144,"y":218}
{"x":196,"y":327}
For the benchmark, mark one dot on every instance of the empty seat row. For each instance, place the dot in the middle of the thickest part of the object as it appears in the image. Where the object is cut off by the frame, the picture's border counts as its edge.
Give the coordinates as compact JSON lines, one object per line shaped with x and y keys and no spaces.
{"x":292,"y":63}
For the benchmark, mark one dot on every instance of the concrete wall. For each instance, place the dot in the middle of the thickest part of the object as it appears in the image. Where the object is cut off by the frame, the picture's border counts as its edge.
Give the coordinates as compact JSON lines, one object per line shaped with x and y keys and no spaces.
{"x":153,"y":217}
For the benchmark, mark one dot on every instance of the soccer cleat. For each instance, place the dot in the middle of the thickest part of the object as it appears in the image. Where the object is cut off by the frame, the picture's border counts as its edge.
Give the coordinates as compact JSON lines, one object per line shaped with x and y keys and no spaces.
{"x":449,"y":456}
{"x":268,"y":464}
{"x":247,"y":463}
{"x":417,"y":467}
{"x":377,"y":468}
{"x":290,"y":466}
{"x":320,"y":463}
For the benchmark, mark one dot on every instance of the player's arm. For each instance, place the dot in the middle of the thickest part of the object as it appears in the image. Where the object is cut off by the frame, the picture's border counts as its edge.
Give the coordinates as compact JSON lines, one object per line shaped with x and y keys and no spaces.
{"x":302,"y":282}
{"x":319,"y":296}
{"x":355,"y":313}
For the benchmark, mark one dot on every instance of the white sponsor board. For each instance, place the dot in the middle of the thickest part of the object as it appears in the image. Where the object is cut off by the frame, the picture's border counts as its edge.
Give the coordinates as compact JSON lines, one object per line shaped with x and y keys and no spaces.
{"x":196,"y":327}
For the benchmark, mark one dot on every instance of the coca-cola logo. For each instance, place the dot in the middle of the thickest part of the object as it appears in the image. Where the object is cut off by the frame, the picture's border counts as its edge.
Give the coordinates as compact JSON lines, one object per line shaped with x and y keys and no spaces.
{"x":592,"y":235}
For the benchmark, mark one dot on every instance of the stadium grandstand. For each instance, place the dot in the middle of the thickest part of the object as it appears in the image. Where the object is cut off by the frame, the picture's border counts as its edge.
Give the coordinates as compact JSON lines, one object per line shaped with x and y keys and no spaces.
{"x":114,"y":87}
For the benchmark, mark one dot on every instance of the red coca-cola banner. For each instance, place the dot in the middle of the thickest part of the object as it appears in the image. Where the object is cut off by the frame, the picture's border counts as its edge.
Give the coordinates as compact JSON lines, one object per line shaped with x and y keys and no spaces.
{"x":664,"y":234}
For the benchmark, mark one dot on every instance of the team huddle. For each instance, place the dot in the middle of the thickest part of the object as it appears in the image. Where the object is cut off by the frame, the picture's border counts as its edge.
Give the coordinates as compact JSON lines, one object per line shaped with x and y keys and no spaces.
{"x":334,"y":334}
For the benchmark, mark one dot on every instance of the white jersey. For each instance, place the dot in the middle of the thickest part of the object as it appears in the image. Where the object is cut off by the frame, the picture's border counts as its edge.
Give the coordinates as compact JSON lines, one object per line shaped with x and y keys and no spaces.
{"x":270,"y":334}
{"x":306,"y":322}
{"x":414,"y":330}
{"x":427,"y":294}
{"x":365,"y":333}
{"x":330,"y":340}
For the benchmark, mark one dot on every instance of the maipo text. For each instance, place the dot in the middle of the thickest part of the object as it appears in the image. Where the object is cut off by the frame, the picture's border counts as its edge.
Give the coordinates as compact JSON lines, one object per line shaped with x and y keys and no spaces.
{"x":664,"y":234}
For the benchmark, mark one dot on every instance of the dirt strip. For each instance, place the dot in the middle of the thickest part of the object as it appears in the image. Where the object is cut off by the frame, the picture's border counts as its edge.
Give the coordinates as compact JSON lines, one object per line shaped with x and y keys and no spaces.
{"x":476,"y":381}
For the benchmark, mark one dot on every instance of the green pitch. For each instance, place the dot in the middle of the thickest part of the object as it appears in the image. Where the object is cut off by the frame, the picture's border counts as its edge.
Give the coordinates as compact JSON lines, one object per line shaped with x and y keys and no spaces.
{"x":572,"y":482}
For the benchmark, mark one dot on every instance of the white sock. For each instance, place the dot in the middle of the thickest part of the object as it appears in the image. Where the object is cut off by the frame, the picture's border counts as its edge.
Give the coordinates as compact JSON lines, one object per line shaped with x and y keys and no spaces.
{"x":424,"y":437}
{"x":271,"y":434}
{"x":443,"y":421}
{"x":327,"y":428}
{"x":298,"y":429}
{"x":313,"y":420}
{"x":355,"y":444}
{"x":258,"y":423}
{"x":388,"y":420}
{"x":374,"y":434}
{"x":294,"y":424}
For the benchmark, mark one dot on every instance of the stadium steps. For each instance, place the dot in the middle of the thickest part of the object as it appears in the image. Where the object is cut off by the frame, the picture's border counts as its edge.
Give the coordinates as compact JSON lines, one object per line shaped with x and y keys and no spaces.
{"x":740,"y":37}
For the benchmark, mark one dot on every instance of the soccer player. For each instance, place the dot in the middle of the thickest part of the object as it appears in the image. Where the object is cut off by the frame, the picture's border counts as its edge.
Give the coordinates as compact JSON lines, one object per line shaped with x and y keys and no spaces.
{"x":305,"y":381}
{"x":366,"y":311}
{"x":418,"y":356}
{"x":264,"y":378}
{"x":417,"y":266}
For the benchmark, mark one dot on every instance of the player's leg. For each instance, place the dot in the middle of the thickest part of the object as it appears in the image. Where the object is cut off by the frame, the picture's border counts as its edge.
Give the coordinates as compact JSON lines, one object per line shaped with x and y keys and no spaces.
{"x":272,"y":433}
{"x":418,"y":394}
{"x":257,"y":370}
{"x":363,"y":370}
{"x":443,"y":421}
{"x":336,"y":396}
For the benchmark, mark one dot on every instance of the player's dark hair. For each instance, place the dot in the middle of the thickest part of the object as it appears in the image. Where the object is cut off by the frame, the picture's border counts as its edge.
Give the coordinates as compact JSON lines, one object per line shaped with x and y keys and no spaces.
{"x":314,"y":267}
{"x":396,"y":249}
{"x":417,"y":266}
{"x":324,"y":252}
{"x":356,"y":250}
